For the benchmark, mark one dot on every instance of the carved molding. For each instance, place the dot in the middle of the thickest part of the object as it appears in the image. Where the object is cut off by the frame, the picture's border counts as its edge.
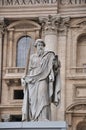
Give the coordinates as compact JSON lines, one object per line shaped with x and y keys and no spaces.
{"x":79,"y":23}
{"x":10,"y":82}
{"x":79,"y":107}
{"x":80,"y":91}
{"x":13,"y":75}
{"x":76,"y":107}
{"x":25,"y":24}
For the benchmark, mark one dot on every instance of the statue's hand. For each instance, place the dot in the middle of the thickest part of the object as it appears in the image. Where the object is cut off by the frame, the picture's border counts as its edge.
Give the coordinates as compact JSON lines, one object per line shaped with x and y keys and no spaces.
{"x":56,"y":103}
{"x":31,"y":81}
{"x":51,"y":79}
{"x":23,"y":81}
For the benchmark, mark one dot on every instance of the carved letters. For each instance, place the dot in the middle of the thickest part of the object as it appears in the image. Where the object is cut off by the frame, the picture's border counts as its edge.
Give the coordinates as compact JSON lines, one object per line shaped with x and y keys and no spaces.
{"x":72,"y":2}
{"x":26,"y":2}
{"x":39,"y":2}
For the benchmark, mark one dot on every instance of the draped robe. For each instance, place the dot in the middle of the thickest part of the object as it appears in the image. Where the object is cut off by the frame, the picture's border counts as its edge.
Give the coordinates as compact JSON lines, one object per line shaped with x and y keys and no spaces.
{"x":41,"y":86}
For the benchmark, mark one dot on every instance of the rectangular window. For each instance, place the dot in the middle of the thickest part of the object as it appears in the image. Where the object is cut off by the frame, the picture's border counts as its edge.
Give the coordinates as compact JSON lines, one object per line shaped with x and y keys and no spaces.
{"x":14,"y":118}
{"x":18,"y":94}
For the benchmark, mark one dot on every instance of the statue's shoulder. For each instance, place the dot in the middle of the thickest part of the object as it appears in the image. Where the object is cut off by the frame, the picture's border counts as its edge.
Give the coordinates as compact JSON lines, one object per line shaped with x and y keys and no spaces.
{"x":49,"y":53}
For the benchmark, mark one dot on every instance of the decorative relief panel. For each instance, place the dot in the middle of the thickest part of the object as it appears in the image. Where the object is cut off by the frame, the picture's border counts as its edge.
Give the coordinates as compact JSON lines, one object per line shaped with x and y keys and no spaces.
{"x":80,"y":92}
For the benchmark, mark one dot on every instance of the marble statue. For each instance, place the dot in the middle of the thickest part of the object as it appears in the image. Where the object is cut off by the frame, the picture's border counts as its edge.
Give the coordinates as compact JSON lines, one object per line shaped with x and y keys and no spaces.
{"x":41,"y":84}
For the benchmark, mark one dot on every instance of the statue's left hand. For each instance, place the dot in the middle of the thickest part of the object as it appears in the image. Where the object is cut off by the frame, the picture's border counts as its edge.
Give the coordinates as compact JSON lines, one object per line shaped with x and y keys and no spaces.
{"x":23,"y":81}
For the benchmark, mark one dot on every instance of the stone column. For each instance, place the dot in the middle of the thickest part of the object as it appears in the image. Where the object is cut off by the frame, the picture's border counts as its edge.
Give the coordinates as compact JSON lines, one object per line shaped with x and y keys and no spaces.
{"x":62,"y":51}
{"x":50,"y":26}
{"x":1,"y":40}
{"x":50,"y":32}
{"x":10,"y":47}
{"x":5,"y":49}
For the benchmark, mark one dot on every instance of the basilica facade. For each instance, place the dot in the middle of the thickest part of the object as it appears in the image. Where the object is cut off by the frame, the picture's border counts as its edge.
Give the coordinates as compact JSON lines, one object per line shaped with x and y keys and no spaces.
{"x":62,"y":25}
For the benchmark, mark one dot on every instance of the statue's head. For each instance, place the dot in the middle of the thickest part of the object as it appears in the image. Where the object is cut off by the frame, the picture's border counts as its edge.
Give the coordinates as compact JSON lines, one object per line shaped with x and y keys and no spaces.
{"x":39,"y":40}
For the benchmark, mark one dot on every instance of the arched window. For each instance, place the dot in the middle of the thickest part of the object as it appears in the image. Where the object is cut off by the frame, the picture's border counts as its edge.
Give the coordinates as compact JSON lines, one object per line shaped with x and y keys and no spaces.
{"x":81,"y":51}
{"x":23,"y":46}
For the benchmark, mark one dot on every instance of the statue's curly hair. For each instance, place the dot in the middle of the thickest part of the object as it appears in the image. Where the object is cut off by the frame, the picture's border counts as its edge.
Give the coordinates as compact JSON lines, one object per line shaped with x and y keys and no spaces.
{"x":39,"y":40}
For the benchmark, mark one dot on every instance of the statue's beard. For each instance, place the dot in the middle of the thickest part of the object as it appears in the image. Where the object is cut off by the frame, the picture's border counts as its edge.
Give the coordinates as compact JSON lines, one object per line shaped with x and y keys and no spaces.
{"x":40,"y":52}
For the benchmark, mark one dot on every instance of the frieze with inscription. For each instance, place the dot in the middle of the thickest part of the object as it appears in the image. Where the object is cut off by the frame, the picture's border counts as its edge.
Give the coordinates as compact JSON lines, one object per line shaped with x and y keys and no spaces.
{"x":26,"y":2}
{"x":72,"y":2}
{"x":41,"y":2}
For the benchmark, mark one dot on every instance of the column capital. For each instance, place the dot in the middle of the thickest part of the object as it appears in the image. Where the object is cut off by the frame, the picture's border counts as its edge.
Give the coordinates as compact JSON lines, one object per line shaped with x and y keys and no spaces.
{"x":64,"y":25}
{"x":50,"y":24}
{"x":2,"y":25}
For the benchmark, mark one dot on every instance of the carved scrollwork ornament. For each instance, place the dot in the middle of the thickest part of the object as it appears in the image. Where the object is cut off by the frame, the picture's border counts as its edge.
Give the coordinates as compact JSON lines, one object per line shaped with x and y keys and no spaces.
{"x":64,"y":2}
{"x":11,"y":82}
{"x":2,"y":25}
{"x":54,"y":24}
{"x":50,"y":24}
{"x":64,"y":25}
{"x":65,"y":22}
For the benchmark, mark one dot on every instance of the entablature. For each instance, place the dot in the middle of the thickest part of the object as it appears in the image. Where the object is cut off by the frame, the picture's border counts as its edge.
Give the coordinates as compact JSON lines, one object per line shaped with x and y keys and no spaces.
{"x":31,"y":8}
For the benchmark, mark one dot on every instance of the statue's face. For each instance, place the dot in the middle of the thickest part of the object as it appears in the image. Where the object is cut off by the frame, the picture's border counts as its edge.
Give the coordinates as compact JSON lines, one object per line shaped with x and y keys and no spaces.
{"x":40,"y":48}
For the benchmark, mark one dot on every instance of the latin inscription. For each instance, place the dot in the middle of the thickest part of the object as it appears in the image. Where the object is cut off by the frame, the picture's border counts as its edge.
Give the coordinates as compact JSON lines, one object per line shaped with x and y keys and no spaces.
{"x":41,"y":2}
{"x":26,"y":2}
{"x":72,"y":2}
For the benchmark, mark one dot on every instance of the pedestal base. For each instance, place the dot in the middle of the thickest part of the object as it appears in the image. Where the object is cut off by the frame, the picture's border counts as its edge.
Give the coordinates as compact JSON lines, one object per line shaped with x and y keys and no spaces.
{"x":47,"y":125}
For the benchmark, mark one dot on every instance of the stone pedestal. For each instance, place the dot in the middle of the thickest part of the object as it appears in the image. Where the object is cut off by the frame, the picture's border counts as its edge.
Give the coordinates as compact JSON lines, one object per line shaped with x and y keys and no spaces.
{"x":51,"y":125}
